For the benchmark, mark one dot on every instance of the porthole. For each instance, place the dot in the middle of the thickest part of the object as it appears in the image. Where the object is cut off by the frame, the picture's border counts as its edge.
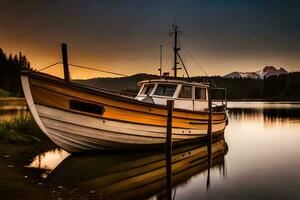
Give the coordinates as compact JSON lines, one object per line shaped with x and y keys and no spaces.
{"x":86,"y":107}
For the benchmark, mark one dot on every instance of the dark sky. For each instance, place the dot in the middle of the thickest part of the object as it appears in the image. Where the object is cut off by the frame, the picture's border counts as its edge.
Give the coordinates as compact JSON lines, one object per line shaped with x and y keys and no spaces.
{"x":124,"y":36}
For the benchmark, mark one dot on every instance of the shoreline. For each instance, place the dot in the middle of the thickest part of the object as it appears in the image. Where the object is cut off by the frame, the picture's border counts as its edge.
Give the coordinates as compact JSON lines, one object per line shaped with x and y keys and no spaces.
{"x":19,"y":182}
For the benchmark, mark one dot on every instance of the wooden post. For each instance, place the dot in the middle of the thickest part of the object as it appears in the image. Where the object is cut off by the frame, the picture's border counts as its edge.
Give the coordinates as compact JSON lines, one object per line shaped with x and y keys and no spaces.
{"x":170,"y":105}
{"x":209,"y":143}
{"x":225,"y":98}
{"x":209,"y":127}
{"x":209,"y":160}
{"x":65,"y":61}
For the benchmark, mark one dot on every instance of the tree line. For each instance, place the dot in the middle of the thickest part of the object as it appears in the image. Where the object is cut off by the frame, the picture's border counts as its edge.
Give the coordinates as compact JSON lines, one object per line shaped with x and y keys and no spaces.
{"x":10,"y":74}
{"x":282,"y":87}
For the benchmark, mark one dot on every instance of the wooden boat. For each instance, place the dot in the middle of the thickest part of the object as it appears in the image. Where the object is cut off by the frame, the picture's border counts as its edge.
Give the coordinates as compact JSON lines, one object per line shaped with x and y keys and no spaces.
{"x":79,"y":118}
{"x":137,"y":175}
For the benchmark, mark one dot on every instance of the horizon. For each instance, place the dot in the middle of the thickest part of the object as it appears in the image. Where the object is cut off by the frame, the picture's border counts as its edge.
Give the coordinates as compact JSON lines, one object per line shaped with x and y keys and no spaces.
{"x":59,"y":71}
{"x":219,"y":37}
{"x":141,"y":73}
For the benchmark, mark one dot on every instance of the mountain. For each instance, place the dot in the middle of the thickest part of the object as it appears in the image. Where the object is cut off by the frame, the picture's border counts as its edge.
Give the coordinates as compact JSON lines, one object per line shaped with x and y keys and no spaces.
{"x":284,"y":87}
{"x":266,"y":72}
{"x":125,"y":84}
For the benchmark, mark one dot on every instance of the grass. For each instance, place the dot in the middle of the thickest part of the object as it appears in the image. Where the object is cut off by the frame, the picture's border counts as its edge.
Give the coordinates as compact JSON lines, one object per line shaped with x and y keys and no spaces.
{"x":4,"y":93}
{"x":21,"y":129}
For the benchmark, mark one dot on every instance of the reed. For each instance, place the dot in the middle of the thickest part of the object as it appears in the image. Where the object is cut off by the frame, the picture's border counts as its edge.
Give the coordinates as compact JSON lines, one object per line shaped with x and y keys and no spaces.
{"x":21,"y":129}
{"x":4,"y":93}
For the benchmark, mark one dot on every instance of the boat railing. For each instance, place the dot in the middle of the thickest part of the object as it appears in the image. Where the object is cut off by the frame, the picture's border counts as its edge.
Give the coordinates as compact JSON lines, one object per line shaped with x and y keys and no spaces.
{"x":219,"y":98}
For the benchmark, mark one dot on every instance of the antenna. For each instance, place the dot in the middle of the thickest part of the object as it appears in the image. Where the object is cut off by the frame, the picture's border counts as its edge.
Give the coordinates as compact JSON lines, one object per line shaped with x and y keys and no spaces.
{"x":176,"y":49}
{"x":160,"y":66}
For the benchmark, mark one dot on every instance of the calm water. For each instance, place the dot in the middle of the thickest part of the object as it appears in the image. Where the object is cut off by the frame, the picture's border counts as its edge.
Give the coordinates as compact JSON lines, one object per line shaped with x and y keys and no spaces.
{"x":263,"y":160}
{"x":11,"y":107}
{"x":260,"y":161}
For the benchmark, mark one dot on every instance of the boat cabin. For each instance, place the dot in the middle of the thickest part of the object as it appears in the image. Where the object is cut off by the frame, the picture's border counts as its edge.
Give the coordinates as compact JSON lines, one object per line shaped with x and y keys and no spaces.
{"x":186,"y":95}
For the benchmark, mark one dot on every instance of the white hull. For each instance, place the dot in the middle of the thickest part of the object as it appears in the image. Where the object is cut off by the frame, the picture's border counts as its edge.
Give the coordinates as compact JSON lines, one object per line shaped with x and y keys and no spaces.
{"x":75,"y":132}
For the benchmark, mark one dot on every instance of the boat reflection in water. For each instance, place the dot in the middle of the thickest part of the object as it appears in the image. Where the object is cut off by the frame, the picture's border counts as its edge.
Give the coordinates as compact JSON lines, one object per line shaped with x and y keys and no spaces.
{"x":269,"y":112}
{"x":136,"y":175}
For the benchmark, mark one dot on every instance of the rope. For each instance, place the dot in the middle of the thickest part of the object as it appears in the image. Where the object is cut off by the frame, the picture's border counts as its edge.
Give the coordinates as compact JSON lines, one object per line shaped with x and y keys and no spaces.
{"x":189,"y":53}
{"x":49,"y":66}
{"x":79,"y":66}
{"x":197,"y":63}
{"x":99,"y":70}
{"x":183,"y":65}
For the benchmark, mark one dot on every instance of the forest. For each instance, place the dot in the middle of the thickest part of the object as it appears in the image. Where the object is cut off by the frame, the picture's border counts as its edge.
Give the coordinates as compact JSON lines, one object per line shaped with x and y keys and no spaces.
{"x":283,"y":87}
{"x":10,"y":74}
{"x":275,"y":88}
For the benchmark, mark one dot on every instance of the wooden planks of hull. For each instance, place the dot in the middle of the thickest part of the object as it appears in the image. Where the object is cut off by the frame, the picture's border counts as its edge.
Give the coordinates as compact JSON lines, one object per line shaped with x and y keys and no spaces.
{"x":89,"y":132}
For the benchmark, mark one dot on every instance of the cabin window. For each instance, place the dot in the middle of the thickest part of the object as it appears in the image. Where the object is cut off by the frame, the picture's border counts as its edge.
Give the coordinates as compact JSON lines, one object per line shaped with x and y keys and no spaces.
{"x":200,"y":93}
{"x":165,"y":90}
{"x":86,"y":107}
{"x":147,"y":89}
{"x":186,"y":92}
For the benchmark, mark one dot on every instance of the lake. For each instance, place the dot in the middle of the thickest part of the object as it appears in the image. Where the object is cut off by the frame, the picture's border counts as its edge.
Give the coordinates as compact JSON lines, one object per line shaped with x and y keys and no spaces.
{"x":259,"y":159}
{"x":11,"y":107}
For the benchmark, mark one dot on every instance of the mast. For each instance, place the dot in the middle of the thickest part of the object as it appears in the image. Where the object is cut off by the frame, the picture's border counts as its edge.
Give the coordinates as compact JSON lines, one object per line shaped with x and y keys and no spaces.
{"x":160,"y":66}
{"x":176,"y":49}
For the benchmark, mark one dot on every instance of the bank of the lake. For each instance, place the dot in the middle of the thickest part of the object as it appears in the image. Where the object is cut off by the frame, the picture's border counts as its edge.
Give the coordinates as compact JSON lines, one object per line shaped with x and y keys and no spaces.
{"x":15,"y":183}
{"x":20,"y":141}
{"x":19,"y":182}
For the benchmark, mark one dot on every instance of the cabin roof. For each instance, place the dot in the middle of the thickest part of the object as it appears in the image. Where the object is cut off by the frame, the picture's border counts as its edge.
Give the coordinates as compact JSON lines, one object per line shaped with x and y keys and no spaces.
{"x":173,"y":81}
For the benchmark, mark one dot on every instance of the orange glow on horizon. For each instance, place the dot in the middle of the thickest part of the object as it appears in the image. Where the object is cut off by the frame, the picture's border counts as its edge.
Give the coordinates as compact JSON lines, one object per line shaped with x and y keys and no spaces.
{"x":132,"y":64}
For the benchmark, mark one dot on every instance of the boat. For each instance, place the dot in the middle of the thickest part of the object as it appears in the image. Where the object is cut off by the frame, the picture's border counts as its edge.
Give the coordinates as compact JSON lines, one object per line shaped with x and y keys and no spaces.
{"x":77,"y":117}
{"x":140,"y":174}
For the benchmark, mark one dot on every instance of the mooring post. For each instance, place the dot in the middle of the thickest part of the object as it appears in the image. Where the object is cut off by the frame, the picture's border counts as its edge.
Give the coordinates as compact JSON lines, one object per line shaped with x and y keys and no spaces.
{"x":209,"y":127}
{"x":65,"y":61}
{"x":170,"y":105}
{"x":209,"y":161}
{"x":209,"y":141}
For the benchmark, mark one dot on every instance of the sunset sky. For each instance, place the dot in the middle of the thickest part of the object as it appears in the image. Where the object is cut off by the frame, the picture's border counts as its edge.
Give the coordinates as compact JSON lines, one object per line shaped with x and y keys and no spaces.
{"x":122,"y":36}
